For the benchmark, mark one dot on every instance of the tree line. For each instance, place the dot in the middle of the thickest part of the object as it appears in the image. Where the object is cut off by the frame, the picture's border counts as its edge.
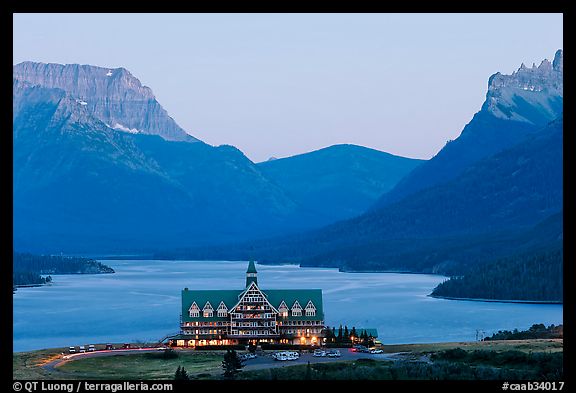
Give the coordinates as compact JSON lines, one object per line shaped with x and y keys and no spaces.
{"x":537,"y":277}
{"x":345,"y":336}
{"x":536,"y":331}
{"x":28,"y":269}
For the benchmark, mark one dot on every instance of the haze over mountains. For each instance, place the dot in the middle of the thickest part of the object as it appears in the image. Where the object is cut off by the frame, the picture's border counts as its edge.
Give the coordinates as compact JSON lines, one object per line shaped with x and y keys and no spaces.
{"x":339,"y":181}
{"x":496,"y":191}
{"x":99,"y":166}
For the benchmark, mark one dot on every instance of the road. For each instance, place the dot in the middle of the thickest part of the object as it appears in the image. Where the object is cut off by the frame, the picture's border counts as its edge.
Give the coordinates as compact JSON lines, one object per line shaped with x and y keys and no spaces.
{"x":51,"y":366}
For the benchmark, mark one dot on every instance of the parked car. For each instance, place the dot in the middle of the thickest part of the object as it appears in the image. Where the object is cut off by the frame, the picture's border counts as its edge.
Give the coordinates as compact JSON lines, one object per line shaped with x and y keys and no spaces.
{"x":280,"y":356}
{"x":126,"y":346}
{"x":292,"y":355}
{"x":376,"y":350}
{"x":319,"y":352}
{"x":109,"y":347}
{"x":91,"y":348}
{"x":333,"y":353}
{"x":360,"y":348}
{"x":72,"y":350}
{"x":82,"y":349}
{"x":286,"y":355}
{"x":247,"y":356}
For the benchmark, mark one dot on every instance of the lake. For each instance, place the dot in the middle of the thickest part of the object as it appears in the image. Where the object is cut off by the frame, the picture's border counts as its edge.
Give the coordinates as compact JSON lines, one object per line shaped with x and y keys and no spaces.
{"x":141,"y":302}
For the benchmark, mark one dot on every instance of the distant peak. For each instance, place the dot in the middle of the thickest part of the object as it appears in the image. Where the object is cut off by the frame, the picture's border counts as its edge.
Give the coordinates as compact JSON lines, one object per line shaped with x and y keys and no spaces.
{"x":113,"y":95}
{"x":558,"y":63}
{"x":540,"y":85}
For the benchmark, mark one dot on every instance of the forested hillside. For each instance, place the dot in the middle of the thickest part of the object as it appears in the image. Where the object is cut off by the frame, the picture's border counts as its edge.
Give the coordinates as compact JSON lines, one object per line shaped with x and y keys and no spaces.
{"x":536,"y":277}
{"x":28,"y":268}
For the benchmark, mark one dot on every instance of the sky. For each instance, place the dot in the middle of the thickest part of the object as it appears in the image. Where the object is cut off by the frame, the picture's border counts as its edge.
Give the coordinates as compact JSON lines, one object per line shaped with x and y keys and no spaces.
{"x":276,"y":85}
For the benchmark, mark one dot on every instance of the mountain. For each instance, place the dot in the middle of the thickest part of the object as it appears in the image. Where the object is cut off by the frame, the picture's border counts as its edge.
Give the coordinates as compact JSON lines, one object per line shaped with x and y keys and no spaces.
{"x":516,"y":105}
{"x":485,"y":212}
{"x":82,"y":183}
{"x":501,"y":177}
{"x":112,"y":95}
{"x":339,"y":181}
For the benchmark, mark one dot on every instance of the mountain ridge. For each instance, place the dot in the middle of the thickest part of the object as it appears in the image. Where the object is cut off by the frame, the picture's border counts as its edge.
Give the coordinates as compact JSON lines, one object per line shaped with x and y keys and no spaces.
{"x":510,"y":113}
{"x":339,"y":181}
{"x":113,"y":95}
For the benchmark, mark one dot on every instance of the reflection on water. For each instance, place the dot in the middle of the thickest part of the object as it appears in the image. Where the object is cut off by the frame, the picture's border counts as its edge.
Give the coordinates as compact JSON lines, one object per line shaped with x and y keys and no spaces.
{"x":141,"y":302}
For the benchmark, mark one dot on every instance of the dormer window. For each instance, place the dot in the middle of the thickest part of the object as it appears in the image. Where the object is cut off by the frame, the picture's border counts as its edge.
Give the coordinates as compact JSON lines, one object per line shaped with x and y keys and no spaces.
{"x":283,"y":309}
{"x":222,"y":310}
{"x":208,"y":311}
{"x":310,"y":309}
{"x":296,"y":309}
{"x":194,"y":311}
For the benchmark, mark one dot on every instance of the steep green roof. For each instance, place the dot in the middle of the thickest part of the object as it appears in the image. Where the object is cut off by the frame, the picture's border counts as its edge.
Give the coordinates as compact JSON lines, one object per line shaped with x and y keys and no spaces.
{"x":276,"y":296}
{"x":231,"y":297}
{"x":251,"y":267}
{"x":373,"y":332}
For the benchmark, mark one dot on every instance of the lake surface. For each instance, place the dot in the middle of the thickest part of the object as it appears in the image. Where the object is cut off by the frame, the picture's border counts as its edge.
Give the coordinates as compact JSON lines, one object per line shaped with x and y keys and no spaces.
{"x":141,"y":302}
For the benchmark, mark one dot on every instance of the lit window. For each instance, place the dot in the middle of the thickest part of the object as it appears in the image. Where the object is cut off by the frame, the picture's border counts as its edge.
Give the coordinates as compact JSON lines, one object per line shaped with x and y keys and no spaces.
{"x":194,"y":311}
{"x":310,"y":309}
{"x":296,"y":309}
{"x":208,"y":311}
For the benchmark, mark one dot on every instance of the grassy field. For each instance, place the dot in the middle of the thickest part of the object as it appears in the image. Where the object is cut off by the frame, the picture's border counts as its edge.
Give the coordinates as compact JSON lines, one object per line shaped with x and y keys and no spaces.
{"x":535,"y":345}
{"x":144,"y":366}
{"x":501,"y":355}
{"x":28,"y":365}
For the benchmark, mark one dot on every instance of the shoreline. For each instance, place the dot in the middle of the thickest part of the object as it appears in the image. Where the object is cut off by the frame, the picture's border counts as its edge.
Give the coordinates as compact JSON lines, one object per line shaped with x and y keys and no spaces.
{"x":31,"y":285}
{"x":498,"y":300}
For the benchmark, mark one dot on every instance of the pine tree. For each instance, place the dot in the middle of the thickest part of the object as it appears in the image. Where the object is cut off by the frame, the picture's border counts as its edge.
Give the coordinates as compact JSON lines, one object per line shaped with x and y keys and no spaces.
{"x":364,"y":337}
{"x":308,"y":374}
{"x":339,"y":339}
{"x":181,"y":374}
{"x":333,"y":334}
{"x":346,"y":334}
{"x":231,"y":364}
{"x":353,"y":333}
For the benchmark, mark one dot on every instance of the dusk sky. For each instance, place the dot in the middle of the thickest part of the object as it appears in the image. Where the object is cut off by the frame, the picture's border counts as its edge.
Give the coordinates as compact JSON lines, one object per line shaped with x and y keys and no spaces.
{"x":284,"y":84}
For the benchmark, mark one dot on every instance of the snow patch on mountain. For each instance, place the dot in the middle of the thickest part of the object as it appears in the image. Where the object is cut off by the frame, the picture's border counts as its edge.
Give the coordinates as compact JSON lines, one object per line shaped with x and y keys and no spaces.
{"x":120,"y":127}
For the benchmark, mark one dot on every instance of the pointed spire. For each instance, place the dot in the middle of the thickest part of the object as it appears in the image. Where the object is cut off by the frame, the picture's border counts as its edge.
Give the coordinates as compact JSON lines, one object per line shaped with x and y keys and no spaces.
{"x":251,"y":267}
{"x":251,"y":274}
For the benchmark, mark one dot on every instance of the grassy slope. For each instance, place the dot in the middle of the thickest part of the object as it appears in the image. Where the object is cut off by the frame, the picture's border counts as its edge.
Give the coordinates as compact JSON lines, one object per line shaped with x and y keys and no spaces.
{"x":28,"y":365}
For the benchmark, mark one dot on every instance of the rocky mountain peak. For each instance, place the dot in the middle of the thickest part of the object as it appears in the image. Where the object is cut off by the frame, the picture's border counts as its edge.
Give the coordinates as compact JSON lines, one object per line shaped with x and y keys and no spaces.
{"x":527,"y":92}
{"x":558,"y":63}
{"x":113,"y":95}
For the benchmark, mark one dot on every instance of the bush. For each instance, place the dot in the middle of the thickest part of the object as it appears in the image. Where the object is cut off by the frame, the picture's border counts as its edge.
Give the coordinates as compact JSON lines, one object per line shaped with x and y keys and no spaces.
{"x":453,"y":354}
{"x":166,"y":354}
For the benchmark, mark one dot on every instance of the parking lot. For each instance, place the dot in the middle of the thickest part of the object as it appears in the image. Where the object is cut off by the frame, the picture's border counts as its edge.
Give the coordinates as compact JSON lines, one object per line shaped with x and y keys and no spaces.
{"x":265,"y":359}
